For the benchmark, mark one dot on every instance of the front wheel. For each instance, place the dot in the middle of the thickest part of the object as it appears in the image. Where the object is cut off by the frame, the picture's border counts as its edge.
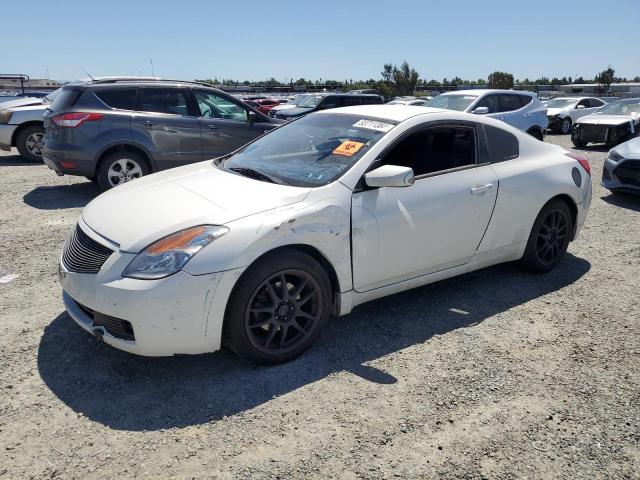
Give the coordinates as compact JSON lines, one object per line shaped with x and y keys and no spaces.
{"x":565,"y":127}
{"x":120,"y":167}
{"x":535,"y":133}
{"x":29,"y":142}
{"x":578,"y":143}
{"x":278,"y":309}
{"x":549,"y":237}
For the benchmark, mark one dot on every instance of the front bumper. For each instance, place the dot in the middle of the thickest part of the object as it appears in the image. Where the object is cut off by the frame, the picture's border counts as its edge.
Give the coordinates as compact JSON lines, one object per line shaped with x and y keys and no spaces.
{"x":180,"y":314}
{"x":555,"y":123}
{"x":6,"y":135}
{"x":599,"y":133}
{"x":623,"y":176}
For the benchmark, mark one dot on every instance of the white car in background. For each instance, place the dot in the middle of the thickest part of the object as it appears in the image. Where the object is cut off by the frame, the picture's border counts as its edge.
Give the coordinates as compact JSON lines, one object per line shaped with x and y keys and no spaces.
{"x":290,"y":104}
{"x":562,"y":112}
{"x":522,"y":110}
{"x":419,"y":102}
{"x":258,"y":248}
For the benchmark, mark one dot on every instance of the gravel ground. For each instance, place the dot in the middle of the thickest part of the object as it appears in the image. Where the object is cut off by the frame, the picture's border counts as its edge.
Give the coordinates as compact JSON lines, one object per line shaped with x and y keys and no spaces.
{"x":496,"y":374}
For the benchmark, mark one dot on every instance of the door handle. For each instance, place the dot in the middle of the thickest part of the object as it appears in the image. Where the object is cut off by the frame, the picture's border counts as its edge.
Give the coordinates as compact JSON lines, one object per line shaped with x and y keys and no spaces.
{"x":147,"y":123}
{"x":482,"y":189}
{"x":213,"y":127}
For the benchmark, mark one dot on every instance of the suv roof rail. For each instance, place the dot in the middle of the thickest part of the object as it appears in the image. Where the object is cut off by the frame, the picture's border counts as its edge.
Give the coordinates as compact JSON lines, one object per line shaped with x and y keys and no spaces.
{"x":144,"y":79}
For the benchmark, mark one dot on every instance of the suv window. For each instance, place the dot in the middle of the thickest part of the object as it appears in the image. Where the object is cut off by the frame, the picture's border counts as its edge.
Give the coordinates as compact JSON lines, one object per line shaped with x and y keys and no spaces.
{"x":508,"y":103}
{"x":491,"y":102}
{"x":331,"y":102}
{"x":212,"y":105}
{"x":501,"y":145}
{"x":349,"y":101}
{"x":65,"y":99}
{"x":371,"y":100}
{"x":122,"y":98}
{"x":164,"y":100}
{"x":435,"y":149}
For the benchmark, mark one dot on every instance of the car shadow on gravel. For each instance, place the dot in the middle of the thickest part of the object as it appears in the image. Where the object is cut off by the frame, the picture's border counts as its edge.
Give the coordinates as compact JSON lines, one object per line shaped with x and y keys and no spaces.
{"x":623,"y":200}
{"x":62,"y":196}
{"x":128,"y":392}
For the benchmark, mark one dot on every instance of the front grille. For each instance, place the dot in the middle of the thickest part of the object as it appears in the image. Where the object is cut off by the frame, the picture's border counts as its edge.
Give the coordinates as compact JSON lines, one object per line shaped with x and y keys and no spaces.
{"x":629,"y":172}
{"x":593,"y":133}
{"x":114,"y":326}
{"x":82,"y":254}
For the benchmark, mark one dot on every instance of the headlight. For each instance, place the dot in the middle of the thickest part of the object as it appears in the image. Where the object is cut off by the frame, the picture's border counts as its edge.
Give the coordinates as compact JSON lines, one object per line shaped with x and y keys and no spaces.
{"x":615,"y":156}
{"x":5,"y":116}
{"x":168,"y":255}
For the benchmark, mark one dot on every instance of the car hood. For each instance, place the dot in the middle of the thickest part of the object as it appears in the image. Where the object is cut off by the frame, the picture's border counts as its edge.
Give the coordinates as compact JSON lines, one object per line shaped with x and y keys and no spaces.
{"x":21,"y":102}
{"x":138,"y":213}
{"x":630,"y":148}
{"x":608,"y":119}
{"x":296,"y":111}
{"x":555,"y":111}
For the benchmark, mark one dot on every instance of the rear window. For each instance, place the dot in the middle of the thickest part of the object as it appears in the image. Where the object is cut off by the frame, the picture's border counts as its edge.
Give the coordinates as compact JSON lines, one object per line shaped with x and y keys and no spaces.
{"x":501,"y":145}
{"x":65,"y":99}
{"x":121,"y":98}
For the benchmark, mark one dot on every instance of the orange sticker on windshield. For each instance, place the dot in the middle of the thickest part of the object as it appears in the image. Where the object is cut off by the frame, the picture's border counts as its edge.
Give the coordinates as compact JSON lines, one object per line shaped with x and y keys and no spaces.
{"x":348,"y":148}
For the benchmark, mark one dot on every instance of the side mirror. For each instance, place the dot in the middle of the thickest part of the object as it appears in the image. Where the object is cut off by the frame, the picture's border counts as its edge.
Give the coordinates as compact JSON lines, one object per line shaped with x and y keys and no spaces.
{"x":481,"y":111}
{"x":390,"y":176}
{"x":253,"y":118}
{"x":580,"y":107}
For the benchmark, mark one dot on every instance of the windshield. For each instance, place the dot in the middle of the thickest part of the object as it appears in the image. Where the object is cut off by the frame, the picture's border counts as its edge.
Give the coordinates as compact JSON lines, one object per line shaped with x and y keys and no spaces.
{"x":311,"y":101}
{"x":561,"y":102}
{"x":623,"y":107}
{"x":312,"y":151}
{"x":452,"y":102}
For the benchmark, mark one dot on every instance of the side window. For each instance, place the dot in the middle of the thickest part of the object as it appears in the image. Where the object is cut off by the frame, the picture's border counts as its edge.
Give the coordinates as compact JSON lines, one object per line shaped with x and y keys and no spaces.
{"x":212,"y":105}
{"x":164,"y":100}
{"x":525,"y":99}
{"x":491,"y":102}
{"x":435,"y":149}
{"x":121,"y":98}
{"x":595,"y":103}
{"x":371,"y":100}
{"x":501,"y":145}
{"x":349,"y":101}
{"x":331,"y":102}
{"x":585,"y":103}
{"x":509,"y":103}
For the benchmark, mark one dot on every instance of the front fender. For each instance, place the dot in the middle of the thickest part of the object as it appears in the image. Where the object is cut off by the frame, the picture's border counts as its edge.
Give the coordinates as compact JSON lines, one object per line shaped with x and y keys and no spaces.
{"x":320,"y":221}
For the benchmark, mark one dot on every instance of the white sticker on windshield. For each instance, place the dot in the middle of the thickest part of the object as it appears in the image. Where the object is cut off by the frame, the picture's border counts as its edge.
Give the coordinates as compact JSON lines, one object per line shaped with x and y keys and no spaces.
{"x":373,"y":125}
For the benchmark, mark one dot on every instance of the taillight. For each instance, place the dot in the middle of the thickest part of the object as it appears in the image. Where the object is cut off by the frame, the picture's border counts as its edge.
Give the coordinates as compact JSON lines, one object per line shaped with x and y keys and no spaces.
{"x":581,"y":160}
{"x":75,"y":119}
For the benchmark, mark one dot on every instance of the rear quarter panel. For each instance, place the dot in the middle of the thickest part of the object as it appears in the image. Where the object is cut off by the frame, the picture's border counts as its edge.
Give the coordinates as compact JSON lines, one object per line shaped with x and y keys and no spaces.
{"x":526,"y":185}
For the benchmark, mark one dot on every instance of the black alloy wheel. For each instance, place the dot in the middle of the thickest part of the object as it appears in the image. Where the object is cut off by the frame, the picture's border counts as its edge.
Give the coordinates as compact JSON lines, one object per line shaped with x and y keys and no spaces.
{"x":283,"y":311}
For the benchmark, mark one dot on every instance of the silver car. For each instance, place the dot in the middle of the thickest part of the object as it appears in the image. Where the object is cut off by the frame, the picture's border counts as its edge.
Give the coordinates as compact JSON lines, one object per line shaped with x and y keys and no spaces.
{"x":22,"y":125}
{"x":621,"y":172}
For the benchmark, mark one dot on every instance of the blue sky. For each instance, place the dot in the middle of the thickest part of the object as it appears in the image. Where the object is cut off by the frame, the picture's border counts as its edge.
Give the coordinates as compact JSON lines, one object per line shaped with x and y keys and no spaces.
{"x":339,"y":40}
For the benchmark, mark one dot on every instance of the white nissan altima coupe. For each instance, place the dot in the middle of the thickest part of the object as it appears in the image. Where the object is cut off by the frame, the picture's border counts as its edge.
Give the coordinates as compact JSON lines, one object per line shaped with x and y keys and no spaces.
{"x":257,"y":249}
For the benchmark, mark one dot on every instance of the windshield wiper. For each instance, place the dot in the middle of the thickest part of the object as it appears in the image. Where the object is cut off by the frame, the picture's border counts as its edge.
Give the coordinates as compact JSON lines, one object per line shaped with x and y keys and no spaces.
{"x":251,"y":173}
{"x":219,"y":161}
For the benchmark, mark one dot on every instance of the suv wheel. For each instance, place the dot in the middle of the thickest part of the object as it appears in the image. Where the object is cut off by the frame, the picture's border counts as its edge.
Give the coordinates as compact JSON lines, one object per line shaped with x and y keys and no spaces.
{"x":120,"y":167}
{"x":536,"y":133}
{"x":29,"y":142}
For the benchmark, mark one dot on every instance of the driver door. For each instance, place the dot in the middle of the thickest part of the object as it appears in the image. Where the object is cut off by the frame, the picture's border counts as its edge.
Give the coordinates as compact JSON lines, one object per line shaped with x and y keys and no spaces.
{"x":224,"y":124}
{"x":400,"y":233}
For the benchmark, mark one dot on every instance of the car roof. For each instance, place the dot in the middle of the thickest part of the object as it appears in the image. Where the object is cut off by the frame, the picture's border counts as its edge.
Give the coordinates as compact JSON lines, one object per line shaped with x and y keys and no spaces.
{"x":483,"y":91}
{"x":395,"y":113}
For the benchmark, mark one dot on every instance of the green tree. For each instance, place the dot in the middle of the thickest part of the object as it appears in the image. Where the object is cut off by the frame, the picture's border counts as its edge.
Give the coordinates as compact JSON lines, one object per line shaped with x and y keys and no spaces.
{"x":604,"y":79}
{"x":501,"y":80}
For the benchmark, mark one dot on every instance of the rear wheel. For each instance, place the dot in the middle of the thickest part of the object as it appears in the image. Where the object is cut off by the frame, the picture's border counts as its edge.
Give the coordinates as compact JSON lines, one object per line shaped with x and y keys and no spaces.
{"x":278,"y":309}
{"x":120,"y":167}
{"x":536,"y":133}
{"x":29,"y":142}
{"x":549,"y":237}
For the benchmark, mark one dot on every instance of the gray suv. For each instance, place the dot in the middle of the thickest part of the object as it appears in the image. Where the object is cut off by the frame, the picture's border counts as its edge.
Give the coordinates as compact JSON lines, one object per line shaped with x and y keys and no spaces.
{"x":113,"y":131}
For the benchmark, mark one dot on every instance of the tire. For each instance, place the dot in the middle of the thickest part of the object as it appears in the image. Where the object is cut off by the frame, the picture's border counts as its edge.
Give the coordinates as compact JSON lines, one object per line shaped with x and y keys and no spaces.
{"x":29,"y":142}
{"x":565,"y":126}
{"x":535,"y":133}
{"x":120,"y":167}
{"x":266,"y":325}
{"x":578,"y":143}
{"x":549,"y":237}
